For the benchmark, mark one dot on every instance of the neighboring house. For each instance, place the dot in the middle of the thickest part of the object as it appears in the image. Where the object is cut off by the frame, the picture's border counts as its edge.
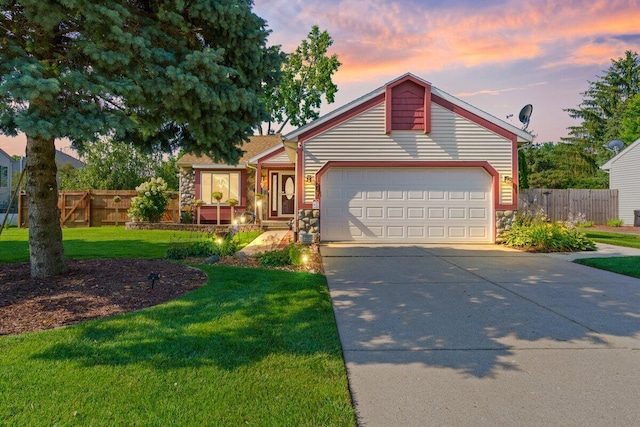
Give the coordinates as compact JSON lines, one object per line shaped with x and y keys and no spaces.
{"x":200,"y":177}
{"x":404,"y":163}
{"x":624,"y":176}
{"x":63,"y":159}
{"x":8,"y":167}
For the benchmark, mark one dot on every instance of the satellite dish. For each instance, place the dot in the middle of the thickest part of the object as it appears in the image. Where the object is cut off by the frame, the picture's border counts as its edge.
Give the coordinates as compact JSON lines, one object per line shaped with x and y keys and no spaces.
{"x":615,"y":145}
{"x":525,"y":115}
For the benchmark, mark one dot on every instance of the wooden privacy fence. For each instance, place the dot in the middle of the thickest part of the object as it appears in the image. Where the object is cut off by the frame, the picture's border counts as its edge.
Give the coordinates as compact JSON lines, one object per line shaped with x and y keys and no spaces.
{"x":95,"y":208}
{"x":598,"y":206}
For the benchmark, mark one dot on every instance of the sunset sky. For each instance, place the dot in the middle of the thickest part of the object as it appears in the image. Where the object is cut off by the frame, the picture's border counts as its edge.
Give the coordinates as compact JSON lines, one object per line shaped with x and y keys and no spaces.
{"x":497,"y":55}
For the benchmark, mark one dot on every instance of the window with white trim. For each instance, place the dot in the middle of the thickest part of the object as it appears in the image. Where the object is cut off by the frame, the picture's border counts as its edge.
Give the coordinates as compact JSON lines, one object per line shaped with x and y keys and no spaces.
{"x":227,"y":183}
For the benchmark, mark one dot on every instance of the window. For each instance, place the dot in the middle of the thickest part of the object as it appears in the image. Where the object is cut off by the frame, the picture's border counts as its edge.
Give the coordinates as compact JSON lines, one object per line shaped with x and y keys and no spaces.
{"x":4,"y":176}
{"x":228,"y":183}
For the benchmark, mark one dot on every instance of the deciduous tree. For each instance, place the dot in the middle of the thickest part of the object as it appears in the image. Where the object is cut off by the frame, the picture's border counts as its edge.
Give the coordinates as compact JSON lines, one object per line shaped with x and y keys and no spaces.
{"x":306,"y":77}
{"x":159,"y":74}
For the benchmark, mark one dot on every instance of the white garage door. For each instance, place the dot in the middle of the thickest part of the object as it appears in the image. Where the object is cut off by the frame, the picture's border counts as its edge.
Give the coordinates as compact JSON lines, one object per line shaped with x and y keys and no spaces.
{"x":439,"y":205}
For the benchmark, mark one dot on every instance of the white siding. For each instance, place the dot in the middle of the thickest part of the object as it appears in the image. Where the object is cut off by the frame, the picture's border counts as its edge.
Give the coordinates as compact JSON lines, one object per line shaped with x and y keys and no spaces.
{"x":625,"y":177}
{"x":280,"y":158}
{"x":363,"y":138}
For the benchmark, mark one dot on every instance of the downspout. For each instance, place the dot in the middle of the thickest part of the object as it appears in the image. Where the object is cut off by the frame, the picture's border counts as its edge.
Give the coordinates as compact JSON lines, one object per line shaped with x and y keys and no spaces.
{"x":255,"y":193}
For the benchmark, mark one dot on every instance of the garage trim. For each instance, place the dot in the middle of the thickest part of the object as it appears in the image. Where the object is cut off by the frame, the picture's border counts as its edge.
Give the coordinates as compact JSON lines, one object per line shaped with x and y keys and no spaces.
{"x":418,"y":164}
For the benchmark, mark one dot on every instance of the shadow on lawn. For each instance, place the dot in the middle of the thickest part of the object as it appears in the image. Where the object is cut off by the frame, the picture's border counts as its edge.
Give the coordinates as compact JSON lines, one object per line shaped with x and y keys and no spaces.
{"x":240,"y":317}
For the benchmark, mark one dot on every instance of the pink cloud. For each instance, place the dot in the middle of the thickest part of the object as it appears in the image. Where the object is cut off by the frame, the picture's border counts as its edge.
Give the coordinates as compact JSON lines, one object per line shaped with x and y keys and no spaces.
{"x":374,"y":37}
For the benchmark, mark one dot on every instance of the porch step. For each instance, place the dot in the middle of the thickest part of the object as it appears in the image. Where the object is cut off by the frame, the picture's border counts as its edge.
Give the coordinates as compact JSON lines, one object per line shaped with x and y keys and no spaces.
{"x":275,"y":225}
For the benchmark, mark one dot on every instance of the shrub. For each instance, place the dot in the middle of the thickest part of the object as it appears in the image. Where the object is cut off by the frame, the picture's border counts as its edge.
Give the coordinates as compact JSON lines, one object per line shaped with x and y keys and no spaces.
{"x":202,"y":248}
{"x":151,"y":201}
{"x":534,"y":233}
{"x":615,"y":222}
{"x":275,"y":258}
{"x":291,"y":255}
{"x":586,"y":224}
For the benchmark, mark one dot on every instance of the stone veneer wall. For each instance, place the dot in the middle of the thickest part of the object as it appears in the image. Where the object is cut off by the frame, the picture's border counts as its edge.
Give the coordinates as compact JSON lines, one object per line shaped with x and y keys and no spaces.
{"x":251,"y":189}
{"x":204,"y":228}
{"x":309,"y":221}
{"x":187,"y":187}
{"x":504,"y":221}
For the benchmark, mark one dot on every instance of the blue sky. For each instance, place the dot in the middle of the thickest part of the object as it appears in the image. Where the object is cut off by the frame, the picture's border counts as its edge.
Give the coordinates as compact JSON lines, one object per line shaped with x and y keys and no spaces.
{"x":497,"y":55}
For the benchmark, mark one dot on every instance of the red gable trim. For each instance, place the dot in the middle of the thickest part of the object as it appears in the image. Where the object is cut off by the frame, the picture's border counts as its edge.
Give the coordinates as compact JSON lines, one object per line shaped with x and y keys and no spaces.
{"x":341,"y":118}
{"x":420,"y":164}
{"x":408,"y":105}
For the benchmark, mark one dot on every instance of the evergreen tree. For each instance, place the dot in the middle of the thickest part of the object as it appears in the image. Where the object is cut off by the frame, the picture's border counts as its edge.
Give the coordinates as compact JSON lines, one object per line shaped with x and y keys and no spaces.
{"x":602,"y":109}
{"x":160,"y":75}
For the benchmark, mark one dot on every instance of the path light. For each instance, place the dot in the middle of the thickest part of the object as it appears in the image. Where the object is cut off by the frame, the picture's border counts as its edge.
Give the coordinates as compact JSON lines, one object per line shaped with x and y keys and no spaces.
{"x":153,"y":277}
{"x":305,"y":258}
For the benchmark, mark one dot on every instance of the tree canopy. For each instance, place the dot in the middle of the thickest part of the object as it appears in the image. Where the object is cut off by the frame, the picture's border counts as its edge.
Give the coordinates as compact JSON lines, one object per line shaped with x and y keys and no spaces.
{"x":161,"y":75}
{"x":306,"y":77}
{"x":610,"y":109}
{"x":603,"y":107}
{"x":118,"y":166}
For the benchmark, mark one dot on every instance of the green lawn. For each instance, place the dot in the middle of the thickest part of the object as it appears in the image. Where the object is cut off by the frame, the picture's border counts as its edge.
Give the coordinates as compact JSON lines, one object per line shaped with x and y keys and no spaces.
{"x":618,"y":239}
{"x":629,"y":266}
{"x":251,"y":347}
{"x":97,"y":242}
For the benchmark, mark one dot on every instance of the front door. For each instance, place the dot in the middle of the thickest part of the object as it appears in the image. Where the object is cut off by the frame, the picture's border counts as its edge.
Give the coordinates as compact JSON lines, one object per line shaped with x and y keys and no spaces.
{"x":282,"y":194}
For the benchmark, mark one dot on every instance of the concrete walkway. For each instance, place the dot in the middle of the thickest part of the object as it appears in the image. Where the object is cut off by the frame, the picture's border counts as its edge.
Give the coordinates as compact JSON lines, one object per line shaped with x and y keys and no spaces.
{"x":267,"y":241}
{"x":479,"y":335}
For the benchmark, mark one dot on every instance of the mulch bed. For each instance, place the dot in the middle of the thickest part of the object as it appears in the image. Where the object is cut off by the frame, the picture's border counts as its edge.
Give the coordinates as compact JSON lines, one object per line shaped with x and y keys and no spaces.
{"x":99,"y":288}
{"x":90,"y":289}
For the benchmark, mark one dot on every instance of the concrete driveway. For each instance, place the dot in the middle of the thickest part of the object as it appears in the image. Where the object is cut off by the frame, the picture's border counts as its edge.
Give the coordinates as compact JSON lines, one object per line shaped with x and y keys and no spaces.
{"x":484,"y":335}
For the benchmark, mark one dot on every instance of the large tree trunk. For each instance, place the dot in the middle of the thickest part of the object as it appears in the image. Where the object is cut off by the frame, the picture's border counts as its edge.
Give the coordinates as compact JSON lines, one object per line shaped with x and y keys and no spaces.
{"x":45,"y":234}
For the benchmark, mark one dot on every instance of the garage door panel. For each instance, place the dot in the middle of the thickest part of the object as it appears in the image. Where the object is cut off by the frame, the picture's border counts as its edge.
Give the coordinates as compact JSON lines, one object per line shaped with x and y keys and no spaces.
{"x":457,"y":213}
{"x":435,"y":232}
{"x":415,"y":213}
{"x":435,"y":213}
{"x":478,"y":195}
{"x":415,"y":232}
{"x":374,"y":195}
{"x":457,"y":232}
{"x":395,"y":231}
{"x":399,"y":205}
{"x":374,"y":213}
{"x":435,"y":195}
{"x":478,"y":213}
{"x":395,"y":213}
{"x":457,"y":195}
{"x":478,"y":232}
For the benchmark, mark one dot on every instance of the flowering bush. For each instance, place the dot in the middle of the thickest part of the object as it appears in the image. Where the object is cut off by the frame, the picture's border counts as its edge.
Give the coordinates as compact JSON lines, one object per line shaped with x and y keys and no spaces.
{"x":535,"y":233}
{"x":151,"y":201}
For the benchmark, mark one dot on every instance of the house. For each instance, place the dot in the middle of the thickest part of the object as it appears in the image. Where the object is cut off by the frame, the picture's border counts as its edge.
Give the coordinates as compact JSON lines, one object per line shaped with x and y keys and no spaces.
{"x":404,"y":163}
{"x":200,"y":177}
{"x":8,"y":168}
{"x":624,"y":176}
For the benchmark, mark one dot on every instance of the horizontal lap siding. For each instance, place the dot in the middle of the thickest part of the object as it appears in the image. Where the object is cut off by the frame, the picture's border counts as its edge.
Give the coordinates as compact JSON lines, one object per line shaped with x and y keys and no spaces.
{"x":625,"y":177}
{"x":452,"y":137}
